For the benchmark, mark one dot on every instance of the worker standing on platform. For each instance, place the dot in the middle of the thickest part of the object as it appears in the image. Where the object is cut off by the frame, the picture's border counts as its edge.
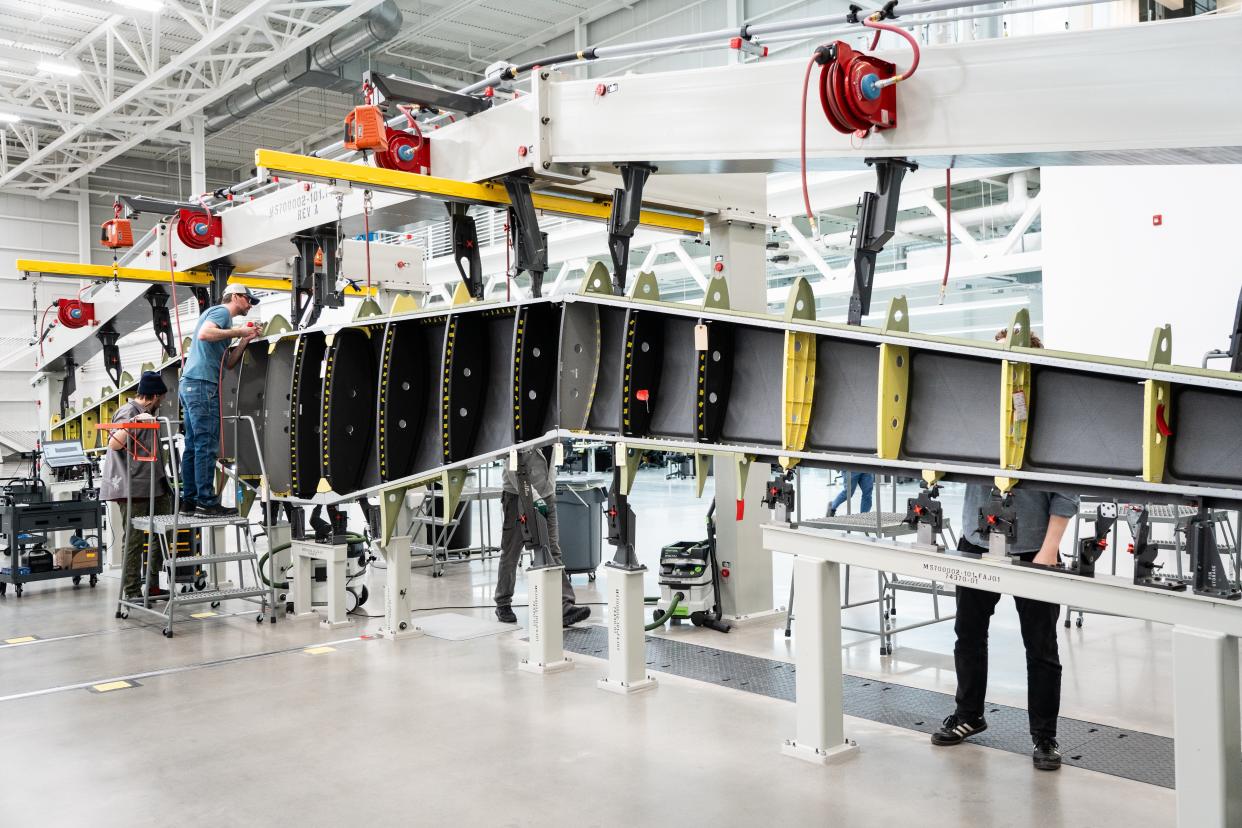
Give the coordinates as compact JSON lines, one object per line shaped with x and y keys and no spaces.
{"x":130,"y":488}
{"x":210,"y":356}
{"x":543,"y":483}
{"x":1041,"y":520}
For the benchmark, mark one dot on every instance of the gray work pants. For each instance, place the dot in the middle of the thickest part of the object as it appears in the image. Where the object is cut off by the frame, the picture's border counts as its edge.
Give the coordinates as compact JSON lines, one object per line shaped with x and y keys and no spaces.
{"x":511,"y":551}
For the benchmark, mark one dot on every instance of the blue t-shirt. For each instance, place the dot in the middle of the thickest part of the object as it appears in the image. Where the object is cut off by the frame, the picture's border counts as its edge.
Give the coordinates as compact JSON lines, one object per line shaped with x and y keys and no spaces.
{"x":204,"y":360}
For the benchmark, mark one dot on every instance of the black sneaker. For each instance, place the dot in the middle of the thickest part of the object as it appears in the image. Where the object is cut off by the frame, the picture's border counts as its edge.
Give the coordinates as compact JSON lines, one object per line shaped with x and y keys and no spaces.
{"x":955,"y":729}
{"x":575,"y":614}
{"x":505,"y":615}
{"x":1046,"y":756}
{"x":216,"y":511}
{"x":187,"y":507}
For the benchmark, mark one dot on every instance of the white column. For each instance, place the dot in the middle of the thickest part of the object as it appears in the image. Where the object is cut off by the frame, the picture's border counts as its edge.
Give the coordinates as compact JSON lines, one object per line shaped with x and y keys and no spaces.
{"x":198,"y":155}
{"x":1206,"y":743}
{"x":820,"y":732}
{"x":546,"y":635}
{"x":397,"y":599}
{"x":737,"y":246}
{"x":627,"y":644}
{"x":86,"y":231}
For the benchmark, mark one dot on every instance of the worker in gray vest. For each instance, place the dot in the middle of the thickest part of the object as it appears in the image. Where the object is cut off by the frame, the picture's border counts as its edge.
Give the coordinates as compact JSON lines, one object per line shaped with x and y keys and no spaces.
{"x":128,"y":481}
{"x":543,"y":483}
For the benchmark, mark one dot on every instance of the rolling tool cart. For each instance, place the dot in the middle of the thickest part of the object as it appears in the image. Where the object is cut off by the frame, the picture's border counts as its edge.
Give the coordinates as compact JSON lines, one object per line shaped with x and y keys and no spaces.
{"x":28,"y":520}
{"x":163,"y":533}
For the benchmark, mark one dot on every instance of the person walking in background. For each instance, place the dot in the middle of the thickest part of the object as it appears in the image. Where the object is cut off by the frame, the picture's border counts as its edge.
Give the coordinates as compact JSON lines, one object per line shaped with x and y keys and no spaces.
{"x":854,"y":480}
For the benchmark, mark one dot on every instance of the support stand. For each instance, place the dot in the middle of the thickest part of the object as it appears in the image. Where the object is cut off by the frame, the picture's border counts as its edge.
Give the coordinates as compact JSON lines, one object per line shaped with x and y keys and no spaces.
{"x":530,"y":246}
{"x":111,"y":352}
{"x":397,"y":603}
{"x":877,"y":220}
{"x":627,"y":641}
{"x":161,"y":322}
{"x":820,"y":732}
{"x":1208,"y":571}
{"x":998,"y":522}
{"x":466,"y":248}
{"x":335,"y":555}
{"x":926,"y":514}
{"x":627,"y":205}
{"x":543,"y":582}
{"x":1144,"y":551}
{"x":1206,"y":725}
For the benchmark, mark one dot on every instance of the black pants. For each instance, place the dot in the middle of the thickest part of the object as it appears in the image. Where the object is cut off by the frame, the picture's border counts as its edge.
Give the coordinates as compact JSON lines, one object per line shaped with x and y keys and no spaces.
{"x":1043,"y":664}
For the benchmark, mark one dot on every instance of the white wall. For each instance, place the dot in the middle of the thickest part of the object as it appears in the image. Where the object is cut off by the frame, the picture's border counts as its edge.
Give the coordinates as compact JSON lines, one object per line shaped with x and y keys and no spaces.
{"x":1111,"y":276}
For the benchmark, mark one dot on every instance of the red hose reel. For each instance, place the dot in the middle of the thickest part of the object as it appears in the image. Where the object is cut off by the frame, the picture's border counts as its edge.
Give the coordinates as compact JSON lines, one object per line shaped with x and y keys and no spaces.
{"x":849,"y":89}
{"x":405,"y":152}
{"x":197,"y":229}
{"x":74,"y":313}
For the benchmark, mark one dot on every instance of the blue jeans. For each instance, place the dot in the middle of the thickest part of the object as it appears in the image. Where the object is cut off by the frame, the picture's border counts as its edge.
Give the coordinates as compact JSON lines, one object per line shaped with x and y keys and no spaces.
{"x":855,"y":480}
{"x":200,"y":413}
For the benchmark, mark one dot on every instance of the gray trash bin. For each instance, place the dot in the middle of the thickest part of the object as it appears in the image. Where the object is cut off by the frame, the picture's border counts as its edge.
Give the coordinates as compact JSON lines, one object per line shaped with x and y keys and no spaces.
{"x":580,"y":516}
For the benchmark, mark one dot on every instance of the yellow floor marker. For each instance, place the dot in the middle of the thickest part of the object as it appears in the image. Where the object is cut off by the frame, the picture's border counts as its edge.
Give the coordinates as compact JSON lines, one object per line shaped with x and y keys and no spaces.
{"x":204,"y":614}
{"x":109,"y":686}
{"x":319,"y":650}
{"x":25,"y":639}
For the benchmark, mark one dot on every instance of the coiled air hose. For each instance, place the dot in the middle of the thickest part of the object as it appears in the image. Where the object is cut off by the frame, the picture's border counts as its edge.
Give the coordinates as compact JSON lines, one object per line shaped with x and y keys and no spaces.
{"x":663,"y":619}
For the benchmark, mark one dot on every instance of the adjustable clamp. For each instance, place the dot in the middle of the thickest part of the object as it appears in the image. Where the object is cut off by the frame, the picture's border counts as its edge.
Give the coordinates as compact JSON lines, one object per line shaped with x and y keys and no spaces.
{"x":998,"y":522}
{"x":1208,"y":570}
{"x":1144,"y":550}
{"x":466,"y":248}
{"x":627,"y":205}
{"x":531,"y":521}
{"x":926,"y":514}
{"x":621,"y":526}
{"x":781,"y":498}
{"x":877,"y":221}
{"x":111,"y":353}
{"x":1092,"y":547}
{"x":161,"y":321}
{"x":530,"y":246}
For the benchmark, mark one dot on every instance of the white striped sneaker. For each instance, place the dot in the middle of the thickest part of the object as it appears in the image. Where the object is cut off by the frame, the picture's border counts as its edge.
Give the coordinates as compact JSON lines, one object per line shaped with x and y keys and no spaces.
{"x":955,"y":729}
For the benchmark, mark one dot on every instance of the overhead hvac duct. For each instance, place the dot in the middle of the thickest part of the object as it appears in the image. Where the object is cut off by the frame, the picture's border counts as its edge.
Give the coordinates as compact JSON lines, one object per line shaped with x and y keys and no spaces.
{"x":318,"y":66}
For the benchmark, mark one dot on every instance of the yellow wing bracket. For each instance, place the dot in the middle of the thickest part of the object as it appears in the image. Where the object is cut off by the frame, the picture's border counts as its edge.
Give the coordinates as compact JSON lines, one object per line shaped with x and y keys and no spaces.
{"x":1157,"y":405}
{"x":1015,"y":402}
{"x":894,"y":384}
{"x":798,"y":377}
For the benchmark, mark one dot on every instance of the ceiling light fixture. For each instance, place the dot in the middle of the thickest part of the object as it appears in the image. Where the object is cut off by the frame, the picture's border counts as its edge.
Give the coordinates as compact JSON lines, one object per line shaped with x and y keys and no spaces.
{"x":55,"y":68}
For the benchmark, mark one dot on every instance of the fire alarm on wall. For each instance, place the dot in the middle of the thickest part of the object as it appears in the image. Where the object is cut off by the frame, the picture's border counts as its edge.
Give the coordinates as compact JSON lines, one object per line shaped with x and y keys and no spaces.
{"x":1157,"y":220}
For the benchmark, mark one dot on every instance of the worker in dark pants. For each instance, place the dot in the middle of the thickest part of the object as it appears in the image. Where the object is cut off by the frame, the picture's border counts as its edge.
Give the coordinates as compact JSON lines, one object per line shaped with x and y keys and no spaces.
{"x":854,"y":480}
{"x":1041,"y":520}
{"x":543,"y":485}
{"x":130,"y":488}
{"x":210,"y":356}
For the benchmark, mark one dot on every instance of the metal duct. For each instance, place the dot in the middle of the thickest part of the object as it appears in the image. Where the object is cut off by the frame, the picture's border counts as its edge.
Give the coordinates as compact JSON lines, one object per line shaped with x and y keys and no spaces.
{"x":317,"y":66}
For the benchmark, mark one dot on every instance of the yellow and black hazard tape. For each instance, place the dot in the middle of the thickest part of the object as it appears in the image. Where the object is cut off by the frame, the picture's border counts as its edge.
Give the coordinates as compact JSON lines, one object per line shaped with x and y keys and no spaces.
{"x":700,"y":422}
{"x":628,"y":368}
{"x":450,"y":335}
{"x":325,"y":436}
{"x":517,"y":374}
{"x":385,"y":363}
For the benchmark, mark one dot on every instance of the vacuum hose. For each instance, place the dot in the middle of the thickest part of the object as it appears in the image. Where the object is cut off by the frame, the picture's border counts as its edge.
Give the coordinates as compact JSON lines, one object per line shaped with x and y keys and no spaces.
{"x":351,"y":537}
{"x":663,"y":619}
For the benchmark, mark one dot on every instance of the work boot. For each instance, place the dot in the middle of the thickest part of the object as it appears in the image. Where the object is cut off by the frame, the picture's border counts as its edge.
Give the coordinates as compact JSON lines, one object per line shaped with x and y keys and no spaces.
{"x":955,"y":729}
{"x":1046,"y":756}
{"x":187,"y":507}
{"x":216,"y":511}
{"x":575,"y":614}
{"x":505,"y":615}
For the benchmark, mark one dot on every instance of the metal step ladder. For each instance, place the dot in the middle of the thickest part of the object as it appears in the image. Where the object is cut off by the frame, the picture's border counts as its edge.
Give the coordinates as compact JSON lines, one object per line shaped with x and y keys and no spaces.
{"x":162,"y":531}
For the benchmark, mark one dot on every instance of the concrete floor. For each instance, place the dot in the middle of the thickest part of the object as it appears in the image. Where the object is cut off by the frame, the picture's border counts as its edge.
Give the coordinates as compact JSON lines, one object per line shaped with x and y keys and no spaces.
{"x":429,"y":731}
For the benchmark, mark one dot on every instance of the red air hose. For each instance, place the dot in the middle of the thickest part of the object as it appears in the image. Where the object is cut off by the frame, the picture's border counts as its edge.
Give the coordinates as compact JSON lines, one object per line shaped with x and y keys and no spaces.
{"x":806,"y":195}
{"x":948,"y":229}
{"x":914,"y":44}
{"x":172,"y":284}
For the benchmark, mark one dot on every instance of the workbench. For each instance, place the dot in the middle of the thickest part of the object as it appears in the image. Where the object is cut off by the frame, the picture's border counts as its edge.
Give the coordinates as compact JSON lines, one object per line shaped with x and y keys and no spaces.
{"x":1207,"y":715}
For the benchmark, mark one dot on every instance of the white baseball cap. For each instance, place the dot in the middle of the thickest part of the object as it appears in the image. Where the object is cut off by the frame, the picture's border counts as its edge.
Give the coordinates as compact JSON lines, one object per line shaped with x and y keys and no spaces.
{"x":243,"y":290}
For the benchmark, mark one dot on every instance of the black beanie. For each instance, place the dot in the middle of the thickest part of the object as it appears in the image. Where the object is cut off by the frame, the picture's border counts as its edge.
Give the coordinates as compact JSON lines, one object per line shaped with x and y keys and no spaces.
{"x":150,"y":384}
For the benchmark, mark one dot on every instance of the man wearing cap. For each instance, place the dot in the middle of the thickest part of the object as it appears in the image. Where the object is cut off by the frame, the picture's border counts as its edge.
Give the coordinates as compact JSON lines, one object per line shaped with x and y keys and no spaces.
{"x":210,"y":356}
{"x":130,"y":482}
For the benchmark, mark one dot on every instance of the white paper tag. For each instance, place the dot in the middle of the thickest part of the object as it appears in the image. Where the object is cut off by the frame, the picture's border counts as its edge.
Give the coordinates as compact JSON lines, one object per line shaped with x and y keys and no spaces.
{"x":558,"y":454}
{"x":1019,"y":406}
{"x":700,"y":337}
{"x":513,"y":461}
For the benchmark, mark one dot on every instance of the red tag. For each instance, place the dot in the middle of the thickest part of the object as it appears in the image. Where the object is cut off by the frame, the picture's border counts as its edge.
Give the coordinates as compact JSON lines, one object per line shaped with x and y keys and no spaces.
{"x":1157,"y":220}
{"x":741,"y":509}
{"x":642,"y":394}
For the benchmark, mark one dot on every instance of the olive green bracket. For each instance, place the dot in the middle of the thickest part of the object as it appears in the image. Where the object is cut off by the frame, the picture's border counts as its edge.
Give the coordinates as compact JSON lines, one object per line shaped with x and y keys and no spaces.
{"x":1157,"y":404}
{"x":461,"y":295}
{"x":931,"y":478}
{"x":716,"y":295}
{"x":702,"y":468}
{"x":597,"y":280}
{"x":367,"y":308}
{"x":894,"y":383}
{"x":629,"y":468}
{"x":451,"y":483}
{"x":185,"y":344}
{"x":126,"y":379}
{"x":742,"y":463}
{"x":1019,"y":331}
{"x":247,"y":500}
{"x":798,"y":377}
{"x":390,"y":501}
{"x":277,"y":326}
{"x":646,"y":287}
{"x":1005,"y":484}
